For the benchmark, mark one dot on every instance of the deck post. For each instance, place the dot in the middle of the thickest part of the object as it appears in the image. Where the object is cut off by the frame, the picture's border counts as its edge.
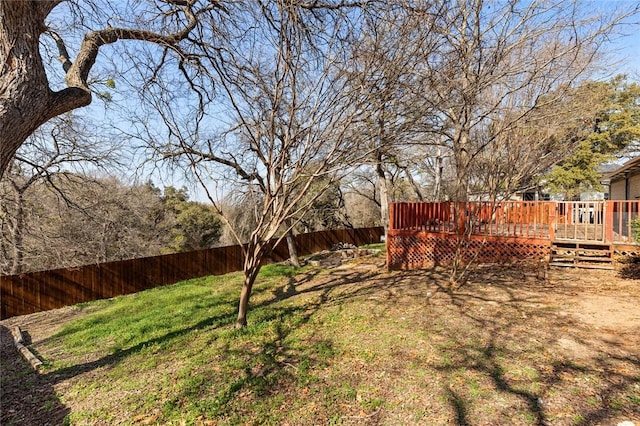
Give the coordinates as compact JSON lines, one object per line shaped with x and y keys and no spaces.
{"x":390,"y":229}
{"x":553,"y":218}
{"x":608,"y":221}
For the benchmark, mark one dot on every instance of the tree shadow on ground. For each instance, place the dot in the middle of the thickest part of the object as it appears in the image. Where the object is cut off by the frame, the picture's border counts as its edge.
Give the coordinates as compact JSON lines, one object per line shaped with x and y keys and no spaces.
{"x":219,"y":321}
{"x":66,"y":373}
{"x":497,"y":304}
{"x":630,"y":268}
{"x":27,"y":398}
{"x":277,"y":360}
{"x":501,"y":302}
{"x":508,"y":344}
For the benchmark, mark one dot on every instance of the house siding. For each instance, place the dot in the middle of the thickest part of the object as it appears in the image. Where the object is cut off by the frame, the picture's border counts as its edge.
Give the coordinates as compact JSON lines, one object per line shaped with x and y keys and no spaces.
{"x":634,"y":183}
{"x":617,"y":189}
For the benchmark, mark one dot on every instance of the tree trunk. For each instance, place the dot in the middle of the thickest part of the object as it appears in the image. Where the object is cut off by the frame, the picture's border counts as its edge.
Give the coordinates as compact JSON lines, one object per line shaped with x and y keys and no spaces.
{"x":26,"y":101}
{"x":438,"y":177}
{"x":463,"y":159}
{"x":252,"y":265}
{"x":293,"y":251}
{"x":384,"y":194}
{"x":291,"y":244}
{"x":17,"y":263}
{"x":462,"y":187}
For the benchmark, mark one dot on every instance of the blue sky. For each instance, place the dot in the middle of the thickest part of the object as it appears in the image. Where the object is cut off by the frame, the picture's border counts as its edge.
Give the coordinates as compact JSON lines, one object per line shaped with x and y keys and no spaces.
{"x":626,"y":49}
{"x":627,"y":52}
{"x":624,"y":58}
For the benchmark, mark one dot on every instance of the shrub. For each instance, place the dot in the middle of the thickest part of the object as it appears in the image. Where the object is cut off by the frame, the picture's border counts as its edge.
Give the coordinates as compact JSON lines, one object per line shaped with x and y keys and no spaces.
{"x":635,"y":229}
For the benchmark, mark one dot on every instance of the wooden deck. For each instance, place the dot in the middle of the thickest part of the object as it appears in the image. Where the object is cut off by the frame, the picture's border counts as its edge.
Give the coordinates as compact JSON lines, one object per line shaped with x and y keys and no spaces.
{"x":579,"y":232}
{"x":503,"y":230}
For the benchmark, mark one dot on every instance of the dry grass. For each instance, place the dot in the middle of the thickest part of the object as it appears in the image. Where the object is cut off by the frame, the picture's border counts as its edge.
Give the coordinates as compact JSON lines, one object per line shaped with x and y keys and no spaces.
{"x":355,"y":345}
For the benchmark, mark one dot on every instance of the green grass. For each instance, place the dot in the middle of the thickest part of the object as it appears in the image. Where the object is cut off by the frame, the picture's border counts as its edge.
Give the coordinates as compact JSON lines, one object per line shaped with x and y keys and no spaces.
{"x":184,"y":334}
{"x":321,"y":348}
{"x":375,"y":246}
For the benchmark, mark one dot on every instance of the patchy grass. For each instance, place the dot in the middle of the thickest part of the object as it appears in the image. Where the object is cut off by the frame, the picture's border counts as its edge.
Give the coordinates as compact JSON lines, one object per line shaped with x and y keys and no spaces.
{"x":351,"y":345}
{"x":376,"y":246}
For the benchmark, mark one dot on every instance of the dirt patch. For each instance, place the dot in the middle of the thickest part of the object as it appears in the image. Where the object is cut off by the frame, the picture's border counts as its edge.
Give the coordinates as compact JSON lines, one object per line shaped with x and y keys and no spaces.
{"x":609,"y":312}
{"x":581,"y":330}
{"x":329,"y":259}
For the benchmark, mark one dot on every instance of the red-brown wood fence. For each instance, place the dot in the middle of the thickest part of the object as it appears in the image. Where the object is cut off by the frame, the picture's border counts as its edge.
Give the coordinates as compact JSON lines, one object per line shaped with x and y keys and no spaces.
{"x":39,"y":291}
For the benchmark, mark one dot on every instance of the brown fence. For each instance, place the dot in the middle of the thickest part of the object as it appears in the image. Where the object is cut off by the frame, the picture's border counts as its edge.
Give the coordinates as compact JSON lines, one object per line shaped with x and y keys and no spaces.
{"x":40,"y":291}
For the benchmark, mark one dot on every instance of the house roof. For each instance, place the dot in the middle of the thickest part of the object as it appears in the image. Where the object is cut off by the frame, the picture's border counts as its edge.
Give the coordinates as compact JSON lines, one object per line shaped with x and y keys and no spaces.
{"x":631,"y":166}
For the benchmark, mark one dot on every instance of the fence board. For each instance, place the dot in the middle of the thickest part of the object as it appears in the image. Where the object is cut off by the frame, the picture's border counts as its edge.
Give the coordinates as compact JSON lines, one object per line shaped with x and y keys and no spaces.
{"x":39,"y":291}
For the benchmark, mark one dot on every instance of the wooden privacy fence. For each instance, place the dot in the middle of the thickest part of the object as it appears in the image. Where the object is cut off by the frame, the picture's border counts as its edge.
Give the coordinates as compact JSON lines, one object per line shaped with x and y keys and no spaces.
{"x":39,"y":291}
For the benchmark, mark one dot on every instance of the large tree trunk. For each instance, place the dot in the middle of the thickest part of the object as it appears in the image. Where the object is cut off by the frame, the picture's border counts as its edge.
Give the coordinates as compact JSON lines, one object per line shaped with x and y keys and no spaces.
{"x":26,"y":101}
{"x":462,"y":159}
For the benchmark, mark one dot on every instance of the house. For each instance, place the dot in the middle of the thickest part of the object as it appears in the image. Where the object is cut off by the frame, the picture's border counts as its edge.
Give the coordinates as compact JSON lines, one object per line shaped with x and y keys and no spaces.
{"x":624,"y":182}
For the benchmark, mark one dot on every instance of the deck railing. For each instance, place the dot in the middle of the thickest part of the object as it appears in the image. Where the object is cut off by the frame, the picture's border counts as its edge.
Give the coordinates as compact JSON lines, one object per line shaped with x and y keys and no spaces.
{"x":622,"y":214}
{"x":581,"y":220}
{"x":528,"y":219}
{"x":603,"y":221}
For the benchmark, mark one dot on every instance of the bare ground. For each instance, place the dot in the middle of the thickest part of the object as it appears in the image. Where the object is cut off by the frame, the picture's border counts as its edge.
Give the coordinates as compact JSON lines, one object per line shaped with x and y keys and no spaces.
{"x":594,"y":323}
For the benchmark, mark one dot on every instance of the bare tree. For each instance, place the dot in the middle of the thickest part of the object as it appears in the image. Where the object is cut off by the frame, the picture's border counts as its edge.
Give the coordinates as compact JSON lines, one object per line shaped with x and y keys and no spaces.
{"x":385,"y":60}
{"x":546,"y":136}
{"x":485,"y":68}
{"x":57,"y":209}
{"x":100,"y":219}
{"x":499,"y":62}
{"x":52,"y":156}
{"x":608,"y":127}
{"x":278,"y":133}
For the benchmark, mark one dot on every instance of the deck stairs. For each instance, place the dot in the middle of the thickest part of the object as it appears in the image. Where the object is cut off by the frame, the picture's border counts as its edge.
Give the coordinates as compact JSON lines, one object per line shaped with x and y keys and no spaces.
{"x":581,"y":254}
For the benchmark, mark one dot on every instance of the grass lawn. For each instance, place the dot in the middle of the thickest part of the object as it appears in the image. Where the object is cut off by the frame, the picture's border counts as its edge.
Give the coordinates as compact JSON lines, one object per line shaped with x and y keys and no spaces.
{"x":351,"y":345}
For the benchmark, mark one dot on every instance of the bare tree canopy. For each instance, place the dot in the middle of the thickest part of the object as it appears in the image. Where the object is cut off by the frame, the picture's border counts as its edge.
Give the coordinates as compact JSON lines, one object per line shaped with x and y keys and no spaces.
{"x":499,"y":62}
{"x":27,"y":97}
{"x":76,"y":32}
{"x":264,"y":120}
{"x":521,"y":43}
